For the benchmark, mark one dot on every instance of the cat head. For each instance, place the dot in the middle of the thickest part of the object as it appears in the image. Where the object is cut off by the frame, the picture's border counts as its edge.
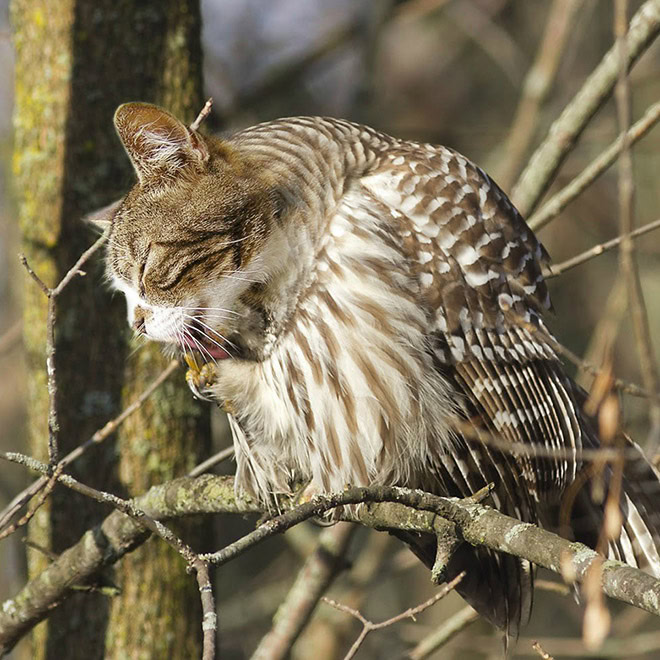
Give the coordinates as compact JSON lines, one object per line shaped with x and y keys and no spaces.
{"x":194,"y":236}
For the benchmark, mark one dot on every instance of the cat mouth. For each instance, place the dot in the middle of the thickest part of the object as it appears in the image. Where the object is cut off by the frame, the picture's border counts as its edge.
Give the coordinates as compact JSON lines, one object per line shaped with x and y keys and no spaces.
{"x":208,"y":349}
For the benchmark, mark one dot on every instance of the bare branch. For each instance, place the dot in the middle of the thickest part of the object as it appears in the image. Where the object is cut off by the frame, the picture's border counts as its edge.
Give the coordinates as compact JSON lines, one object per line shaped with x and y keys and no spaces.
{"x":312,"y":581}
{"x":537,"y":84}
{"x":398,"y":509}
{"x":410,"y":613}
{"x":441,"y":635}
{"x":596,"y":251}
{"x":49,"y":484}
{"x":51,"y":294}
{"x":40,"y":283}
{"x":203,"y":114}
{"x":627,"y":259}
{"x":206,"y":465}
{"x":621,"y":385}
{"x":75,"y":269}
{"x":209,"y":616}
{"x":565,"y":131}
{"x":11,"y":509}
{"x":539,"y":649}
{"x":560,"y":200}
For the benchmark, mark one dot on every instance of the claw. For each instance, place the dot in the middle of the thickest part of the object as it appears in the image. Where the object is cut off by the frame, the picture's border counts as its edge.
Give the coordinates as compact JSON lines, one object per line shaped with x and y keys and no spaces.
{"x":200,"y":379}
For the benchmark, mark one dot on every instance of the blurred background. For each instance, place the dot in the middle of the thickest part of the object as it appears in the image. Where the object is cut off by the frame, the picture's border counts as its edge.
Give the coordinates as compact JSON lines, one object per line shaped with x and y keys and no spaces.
{"x":443,"y":71}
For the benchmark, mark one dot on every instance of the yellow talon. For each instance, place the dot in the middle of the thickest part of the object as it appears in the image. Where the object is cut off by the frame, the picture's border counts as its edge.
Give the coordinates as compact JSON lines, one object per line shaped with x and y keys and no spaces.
{"x":191,"y":362}
{"x":199,"y":379}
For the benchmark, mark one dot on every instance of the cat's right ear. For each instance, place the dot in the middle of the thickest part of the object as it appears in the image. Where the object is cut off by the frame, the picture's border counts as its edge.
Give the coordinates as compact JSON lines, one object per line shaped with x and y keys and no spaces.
{"x":158,"y":144}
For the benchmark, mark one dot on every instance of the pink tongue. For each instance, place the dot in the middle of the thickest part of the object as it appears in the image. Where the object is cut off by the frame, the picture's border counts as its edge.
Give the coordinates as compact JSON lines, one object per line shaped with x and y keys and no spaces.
{"x":216,"y":352}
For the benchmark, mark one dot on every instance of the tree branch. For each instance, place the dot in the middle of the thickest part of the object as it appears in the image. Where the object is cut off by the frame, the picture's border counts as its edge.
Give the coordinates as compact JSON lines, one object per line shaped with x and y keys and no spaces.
{"x":558,"y":202}
{"x":565,"y":131}
{"x":390,"y":508}
{"x":320,"y":569}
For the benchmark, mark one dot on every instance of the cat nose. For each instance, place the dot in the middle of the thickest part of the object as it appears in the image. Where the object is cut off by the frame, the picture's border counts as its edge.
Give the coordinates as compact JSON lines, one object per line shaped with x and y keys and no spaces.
{"x":138,"y":321}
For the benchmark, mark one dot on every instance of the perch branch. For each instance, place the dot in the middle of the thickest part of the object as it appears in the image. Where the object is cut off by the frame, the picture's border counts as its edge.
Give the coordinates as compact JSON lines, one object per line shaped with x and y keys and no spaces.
{"x":391,"y":508}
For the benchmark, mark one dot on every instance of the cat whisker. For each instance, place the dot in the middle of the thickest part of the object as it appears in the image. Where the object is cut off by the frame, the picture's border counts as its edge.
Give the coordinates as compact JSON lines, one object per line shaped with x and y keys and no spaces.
{"x":198,"y":322}
{"x":202,"y":349}
{"x":220,"y":312}
{"x":241,"y":279}
{"x":206,"y":336}
{"x":215,"y":332}
{"x":239,"y":240}
{"x":226,"y":313}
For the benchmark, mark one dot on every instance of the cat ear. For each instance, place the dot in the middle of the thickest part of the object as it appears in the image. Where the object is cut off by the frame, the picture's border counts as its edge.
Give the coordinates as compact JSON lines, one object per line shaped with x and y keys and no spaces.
{"x":157,"y":143}
{"x":102,"y":217}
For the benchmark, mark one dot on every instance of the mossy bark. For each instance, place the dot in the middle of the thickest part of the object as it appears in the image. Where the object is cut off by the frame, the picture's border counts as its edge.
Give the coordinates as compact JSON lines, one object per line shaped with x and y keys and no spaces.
{"x":76,"y":60}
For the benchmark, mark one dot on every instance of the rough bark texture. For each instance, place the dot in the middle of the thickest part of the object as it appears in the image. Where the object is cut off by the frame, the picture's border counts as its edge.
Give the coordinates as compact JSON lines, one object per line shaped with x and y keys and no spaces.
{"x":75,"y":62}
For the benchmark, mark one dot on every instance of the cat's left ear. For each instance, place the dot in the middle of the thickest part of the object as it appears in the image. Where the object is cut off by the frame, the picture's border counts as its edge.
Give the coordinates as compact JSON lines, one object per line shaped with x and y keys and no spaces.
{"x":102,"y":217}
{"x":158,"y":144}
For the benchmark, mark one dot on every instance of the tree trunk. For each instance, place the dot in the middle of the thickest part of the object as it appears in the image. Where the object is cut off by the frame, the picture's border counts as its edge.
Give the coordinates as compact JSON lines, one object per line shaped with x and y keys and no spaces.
{"x":76,"y":60}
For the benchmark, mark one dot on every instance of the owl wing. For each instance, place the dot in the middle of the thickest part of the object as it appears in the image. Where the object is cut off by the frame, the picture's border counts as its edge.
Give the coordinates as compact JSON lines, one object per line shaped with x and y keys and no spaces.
{"x":479,"y":269}
{"x":480,"y":274}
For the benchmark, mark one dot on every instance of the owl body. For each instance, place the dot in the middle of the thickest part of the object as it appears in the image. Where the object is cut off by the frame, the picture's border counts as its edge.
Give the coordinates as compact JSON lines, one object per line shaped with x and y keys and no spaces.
{"x":360,"y":295}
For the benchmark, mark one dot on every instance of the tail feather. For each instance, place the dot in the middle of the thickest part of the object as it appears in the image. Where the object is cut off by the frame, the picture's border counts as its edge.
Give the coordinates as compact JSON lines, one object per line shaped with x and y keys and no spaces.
{"x":641,"y":510}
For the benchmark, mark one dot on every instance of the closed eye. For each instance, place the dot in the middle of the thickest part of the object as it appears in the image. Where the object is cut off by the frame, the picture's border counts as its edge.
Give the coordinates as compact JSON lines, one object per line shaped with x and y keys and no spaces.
{"x":143,"y":267}
{"x":141,"y":279}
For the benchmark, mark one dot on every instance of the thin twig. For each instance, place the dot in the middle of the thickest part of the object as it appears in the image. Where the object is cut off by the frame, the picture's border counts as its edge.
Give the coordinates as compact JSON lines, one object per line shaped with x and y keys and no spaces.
{"x":627,"y":258}
{"x":489,"y":36}
{"x":206,"y":465}
{"x":410,"y":613}
{"x":203,"y":114}
{"x":535,"y":89}
{"x":399,"y":509}
{"x":51,"y":294}
{"x":128,"y":507}
{"x":209,"y":615}
{"x":313,"y":579}
{"x":443,"y":633}
{"x":560,"y":200}
{"x":565,"y":131}
{"x":10,"y":510}
{"x":40,"y":283}
{"x":596,"y":251}
{"x":25,"y":519}
{"x":539,"y":649}
{"x":623,"y":386}
{"x":75,"y":269}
